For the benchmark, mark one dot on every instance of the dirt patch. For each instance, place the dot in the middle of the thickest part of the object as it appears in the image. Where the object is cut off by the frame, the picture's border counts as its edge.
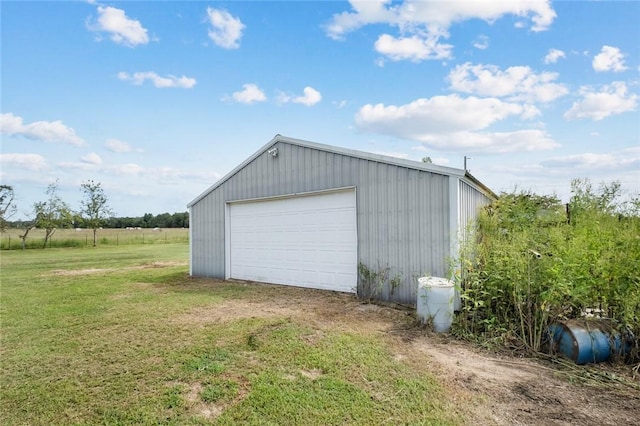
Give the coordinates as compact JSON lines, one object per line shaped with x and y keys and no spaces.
{"x":490,"y":389}
{"x":211,"y":410}
{"x":208,"y":411}
{"x":501,"y":390}
{"x":93,"y":271}
{"x":320,"y":310}
{"x":74,"y":272}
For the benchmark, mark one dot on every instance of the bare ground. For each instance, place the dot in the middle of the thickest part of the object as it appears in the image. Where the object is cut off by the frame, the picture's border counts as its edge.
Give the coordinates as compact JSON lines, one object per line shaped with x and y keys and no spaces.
{"x":492,"y":389}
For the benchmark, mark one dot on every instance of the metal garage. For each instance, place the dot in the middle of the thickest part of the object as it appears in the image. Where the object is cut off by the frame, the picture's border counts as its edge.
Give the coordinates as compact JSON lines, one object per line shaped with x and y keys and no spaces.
{"x":307,"y":214}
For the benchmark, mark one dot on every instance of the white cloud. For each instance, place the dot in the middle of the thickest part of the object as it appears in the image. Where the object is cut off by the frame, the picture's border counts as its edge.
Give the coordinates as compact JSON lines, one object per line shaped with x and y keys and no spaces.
{"x":11,"y":124}
{"x":442,"y":161}
{"x":612,"y":99}
{"x":34,"y":162}
{"x":437,"y":14}
{"x":310,"y":97}
{"x":77,"y":165}
{"x":481,"y":42}
{"x":553,"y":56}
{"x":452,"y":123}
{"x":122,"y":29}
{"x":439,"y":114}
{"x":92,"y":158}
{"x":609,"y":59}
{"x":423,"y":23}
{"x":517,"y":83}
{"x":250,"y":93}
{"x":226,"y":30}
{"x":626,"y":159}
{"x":160,"y":82}
{"x":493,"y":142}
{"x":414,"y":48}
{"x":130,"y":169}
{"x":49,"y":131}
{"x":115,"y":145}
{"x":364,"y":13}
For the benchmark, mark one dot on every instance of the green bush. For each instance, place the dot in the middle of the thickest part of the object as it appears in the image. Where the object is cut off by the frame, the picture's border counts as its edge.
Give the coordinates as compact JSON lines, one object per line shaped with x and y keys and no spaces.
{"x":533,"y":261}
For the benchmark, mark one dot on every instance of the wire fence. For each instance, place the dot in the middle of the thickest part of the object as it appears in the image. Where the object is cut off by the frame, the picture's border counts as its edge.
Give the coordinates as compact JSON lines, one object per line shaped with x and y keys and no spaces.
{"x":11,"y":239}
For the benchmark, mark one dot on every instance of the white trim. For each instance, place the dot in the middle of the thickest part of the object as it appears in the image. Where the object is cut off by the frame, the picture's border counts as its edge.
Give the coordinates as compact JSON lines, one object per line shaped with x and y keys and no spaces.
{"x":227,"y":241}
{"x":190,"y":244}
{"x":291,"y":195}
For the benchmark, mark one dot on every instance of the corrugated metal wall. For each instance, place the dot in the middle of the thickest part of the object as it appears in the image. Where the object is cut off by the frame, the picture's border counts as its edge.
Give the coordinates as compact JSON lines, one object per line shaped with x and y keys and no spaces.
{"x":471,"y":201}
{"x":403,"y":213}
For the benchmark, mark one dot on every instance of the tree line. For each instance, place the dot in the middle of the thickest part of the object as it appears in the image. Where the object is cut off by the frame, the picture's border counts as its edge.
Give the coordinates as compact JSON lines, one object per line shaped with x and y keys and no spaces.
{"x":162,"y":220}
{"x":93,"y":213}
{"x":148,"y":220}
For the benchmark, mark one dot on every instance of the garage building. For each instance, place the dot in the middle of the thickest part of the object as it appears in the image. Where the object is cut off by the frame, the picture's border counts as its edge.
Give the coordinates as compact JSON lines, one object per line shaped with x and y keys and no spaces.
{"x":312,"y":215}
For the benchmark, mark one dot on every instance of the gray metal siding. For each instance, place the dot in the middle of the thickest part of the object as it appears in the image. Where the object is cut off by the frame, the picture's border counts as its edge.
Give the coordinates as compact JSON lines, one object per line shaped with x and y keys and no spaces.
{"x":471,"y":201}
{"x":403,"y":213}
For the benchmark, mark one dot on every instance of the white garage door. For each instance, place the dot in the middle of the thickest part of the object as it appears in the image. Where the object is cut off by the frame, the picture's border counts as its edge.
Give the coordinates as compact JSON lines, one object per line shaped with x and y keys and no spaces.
{"x":305,"y":241}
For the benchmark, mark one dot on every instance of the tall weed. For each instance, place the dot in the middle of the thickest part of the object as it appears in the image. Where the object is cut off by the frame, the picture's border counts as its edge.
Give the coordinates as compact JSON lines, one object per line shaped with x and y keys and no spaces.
{"x":533,"y":261}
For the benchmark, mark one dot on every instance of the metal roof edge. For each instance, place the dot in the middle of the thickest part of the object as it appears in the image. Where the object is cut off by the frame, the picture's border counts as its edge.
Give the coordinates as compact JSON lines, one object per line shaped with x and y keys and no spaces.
{"x":481,"y":185}
{"x":451,"y":171}
{"x":235,"y":170}
{"x":433,"y":168}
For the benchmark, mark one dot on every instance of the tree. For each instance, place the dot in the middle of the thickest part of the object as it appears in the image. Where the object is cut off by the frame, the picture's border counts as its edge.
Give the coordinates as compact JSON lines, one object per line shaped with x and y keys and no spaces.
{"x":7,"y":208}
{"x":51,"y":214}
{"x":93,"y":207}
{"x":27,"y":226}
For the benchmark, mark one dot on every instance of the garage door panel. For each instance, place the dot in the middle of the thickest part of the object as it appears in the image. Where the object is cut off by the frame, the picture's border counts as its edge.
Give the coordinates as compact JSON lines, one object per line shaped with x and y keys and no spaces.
{"x":308,"y":241}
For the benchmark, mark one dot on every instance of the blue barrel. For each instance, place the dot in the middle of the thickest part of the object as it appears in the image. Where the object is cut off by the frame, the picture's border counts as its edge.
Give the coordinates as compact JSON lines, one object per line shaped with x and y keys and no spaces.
{"x":586,"y":342}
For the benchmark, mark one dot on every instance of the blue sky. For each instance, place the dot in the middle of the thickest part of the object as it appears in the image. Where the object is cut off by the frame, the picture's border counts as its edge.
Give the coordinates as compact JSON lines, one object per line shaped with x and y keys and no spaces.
{"x":158,"y":100}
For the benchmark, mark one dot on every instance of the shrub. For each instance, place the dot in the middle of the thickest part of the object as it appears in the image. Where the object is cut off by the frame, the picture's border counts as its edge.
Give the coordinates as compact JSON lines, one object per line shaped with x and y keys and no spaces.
{"x":534,"y":261}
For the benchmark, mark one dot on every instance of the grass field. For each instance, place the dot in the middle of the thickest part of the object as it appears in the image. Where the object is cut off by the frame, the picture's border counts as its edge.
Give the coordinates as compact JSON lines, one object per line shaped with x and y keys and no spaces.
{"x":10,"y":240}
{"x":122,"y":335}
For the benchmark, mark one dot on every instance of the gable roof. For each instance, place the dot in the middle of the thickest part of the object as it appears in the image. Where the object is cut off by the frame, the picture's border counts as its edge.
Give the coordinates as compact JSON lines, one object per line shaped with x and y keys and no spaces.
{"x":433,"y":168}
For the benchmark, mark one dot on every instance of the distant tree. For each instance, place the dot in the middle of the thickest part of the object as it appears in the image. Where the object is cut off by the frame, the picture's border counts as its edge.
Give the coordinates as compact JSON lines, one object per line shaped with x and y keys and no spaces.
{"x":163,"y":220}
{"x":181,"y":220}
{"x":427,"y":160}
{"x":51,"y":214}
{"x":27,"y":226}
{"x":148,"y":221}
{"x":7,"y":208}
{"x":93,"y":207}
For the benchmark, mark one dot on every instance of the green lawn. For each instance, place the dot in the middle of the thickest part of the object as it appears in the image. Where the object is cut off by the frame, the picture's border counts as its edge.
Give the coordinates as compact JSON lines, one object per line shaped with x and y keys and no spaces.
{"x":114,"y":335}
